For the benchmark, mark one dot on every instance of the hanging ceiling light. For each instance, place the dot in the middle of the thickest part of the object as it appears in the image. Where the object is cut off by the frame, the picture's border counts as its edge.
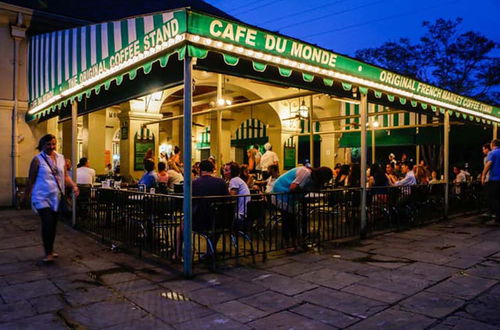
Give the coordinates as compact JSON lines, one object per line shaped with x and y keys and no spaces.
{"x":303,"y":110}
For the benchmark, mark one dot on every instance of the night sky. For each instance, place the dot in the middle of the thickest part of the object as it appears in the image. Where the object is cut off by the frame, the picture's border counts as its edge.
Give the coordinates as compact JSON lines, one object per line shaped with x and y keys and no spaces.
{"x":345,"y":26}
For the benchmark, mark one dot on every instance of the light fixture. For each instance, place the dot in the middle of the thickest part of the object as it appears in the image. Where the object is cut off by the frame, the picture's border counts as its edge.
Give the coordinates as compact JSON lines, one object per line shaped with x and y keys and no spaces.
{"x":303,"y":110}
{"x":375,"y":124}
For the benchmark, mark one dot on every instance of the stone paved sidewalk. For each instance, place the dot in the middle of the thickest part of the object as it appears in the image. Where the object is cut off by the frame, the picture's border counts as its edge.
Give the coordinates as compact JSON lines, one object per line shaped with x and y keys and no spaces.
{"x":443,"y":276}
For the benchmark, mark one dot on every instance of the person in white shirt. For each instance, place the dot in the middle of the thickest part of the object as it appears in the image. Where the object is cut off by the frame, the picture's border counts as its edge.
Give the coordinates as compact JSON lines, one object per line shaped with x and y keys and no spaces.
{"x":274,"y":173}
{"x":267,"y":159}
{"x":237,"y":187}
{"x":409,"y":179}
{"x":460,"y":175}
{"x":84,"y":174}
{"x":174,"y":175}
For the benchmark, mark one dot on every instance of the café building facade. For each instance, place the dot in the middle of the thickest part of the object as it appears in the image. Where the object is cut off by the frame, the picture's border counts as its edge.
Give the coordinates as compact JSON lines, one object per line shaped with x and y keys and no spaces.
{"x":211,"y":85}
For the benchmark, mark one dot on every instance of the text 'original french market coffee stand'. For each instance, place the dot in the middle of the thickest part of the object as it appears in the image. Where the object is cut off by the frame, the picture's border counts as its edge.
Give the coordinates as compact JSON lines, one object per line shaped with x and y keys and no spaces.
{"x":77,"y":71}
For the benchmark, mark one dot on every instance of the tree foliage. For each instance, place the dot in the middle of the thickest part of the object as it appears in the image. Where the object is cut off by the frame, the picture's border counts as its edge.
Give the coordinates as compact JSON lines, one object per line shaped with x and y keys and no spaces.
{"x":445,"y":57}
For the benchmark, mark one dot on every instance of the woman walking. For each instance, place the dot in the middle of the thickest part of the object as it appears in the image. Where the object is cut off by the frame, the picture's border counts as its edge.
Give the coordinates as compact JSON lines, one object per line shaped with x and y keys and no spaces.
{"x":47,"y":180}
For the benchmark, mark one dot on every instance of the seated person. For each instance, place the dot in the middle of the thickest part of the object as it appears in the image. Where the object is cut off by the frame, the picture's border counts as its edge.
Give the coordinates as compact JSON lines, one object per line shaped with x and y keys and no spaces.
{"x":162,"y":173}
{"x":237,"y":187}
{"x":150,"y":178}
{"x":84,"y":174}
{"x":174,"y":175}
{"x":205,"y":185}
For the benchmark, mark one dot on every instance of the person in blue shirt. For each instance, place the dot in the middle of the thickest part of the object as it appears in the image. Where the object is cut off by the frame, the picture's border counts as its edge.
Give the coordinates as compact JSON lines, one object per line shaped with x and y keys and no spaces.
{"x":293,"y":185}
{"x":409,"y":179}
{"x":493,"y":167}
{"x":150,"y":178}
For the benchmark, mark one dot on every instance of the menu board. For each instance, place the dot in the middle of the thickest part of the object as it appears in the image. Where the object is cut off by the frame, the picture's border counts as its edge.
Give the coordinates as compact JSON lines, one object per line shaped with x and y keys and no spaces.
{"x":289,"y":158}
{"x":140,"y":149}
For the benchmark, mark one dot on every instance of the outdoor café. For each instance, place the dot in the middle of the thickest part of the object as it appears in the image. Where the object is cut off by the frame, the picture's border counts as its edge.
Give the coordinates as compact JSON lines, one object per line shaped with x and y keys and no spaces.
{"x":213,"y":87}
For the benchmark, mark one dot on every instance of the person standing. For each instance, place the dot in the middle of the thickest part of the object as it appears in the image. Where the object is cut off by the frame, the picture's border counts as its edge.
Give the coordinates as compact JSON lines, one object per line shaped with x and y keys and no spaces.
{"x":46,"y":183}
{"x":252,"y":161}
{"x":493,"y":168}
{"x":268,"y":158}
{"x":294,"y":184}
{"x":486,"y":150}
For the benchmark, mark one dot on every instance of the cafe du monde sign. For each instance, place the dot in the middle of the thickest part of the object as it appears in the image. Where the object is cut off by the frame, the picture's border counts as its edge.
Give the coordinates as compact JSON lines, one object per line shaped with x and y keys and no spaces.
{"x":262,"y":41}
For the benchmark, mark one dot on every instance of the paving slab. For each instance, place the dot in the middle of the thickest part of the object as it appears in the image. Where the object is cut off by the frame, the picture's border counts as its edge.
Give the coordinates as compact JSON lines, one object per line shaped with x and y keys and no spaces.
{"x":84,"y":296}
{"x":485,"y":307}
{"x":325,"y":315}
{"x":462,"y":286}
{"x":146,"y":323}
{"x":287,"y":320}
{"x":222,"y":293}
{"x":43,"y":321}
{"x":283,"y":284}
{"x":47,"y":304}
{"x":460,"y":323}
{"x":344,"y":302}
{"x":270,"y":301}
{"x":169,"y":310}
{"x":373,"y":293}
{"x":394,"y":319}
{"x":432,"y":304}
{"x":486,"y":269}
{"x":239,"y":311}
{"x":16,"y":310}
{"x":294,"y":268}
{"x":28,"y":290}
{"x":214,"y":321}
{"x":330,"y":278}
{"x":101,"y":315}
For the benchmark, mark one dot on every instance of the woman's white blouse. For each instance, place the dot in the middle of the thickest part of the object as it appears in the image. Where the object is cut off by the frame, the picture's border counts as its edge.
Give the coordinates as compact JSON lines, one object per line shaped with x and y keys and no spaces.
{"x":45,"y":192}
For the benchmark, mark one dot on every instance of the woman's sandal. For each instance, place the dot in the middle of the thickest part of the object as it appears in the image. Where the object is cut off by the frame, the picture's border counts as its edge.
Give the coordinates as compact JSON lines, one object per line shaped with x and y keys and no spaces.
{"x":48,"y":259}
{"x":176,"y":259}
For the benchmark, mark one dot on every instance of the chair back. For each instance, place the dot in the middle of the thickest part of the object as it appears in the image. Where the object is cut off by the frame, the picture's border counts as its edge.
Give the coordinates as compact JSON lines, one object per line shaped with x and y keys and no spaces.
{"x":223,"y":213}
{"x":178,"y":188}
{"x":162,"y":188}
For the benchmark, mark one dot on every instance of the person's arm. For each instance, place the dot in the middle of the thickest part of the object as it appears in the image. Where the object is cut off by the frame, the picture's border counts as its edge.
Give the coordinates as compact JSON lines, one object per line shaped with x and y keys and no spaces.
{"x":404,"y":181}
{"x":275,"y":159}
{"x":32,"y":174}
{"x":68,"y":182}
{"x":301,"y":176}
{"x":485,"y":171}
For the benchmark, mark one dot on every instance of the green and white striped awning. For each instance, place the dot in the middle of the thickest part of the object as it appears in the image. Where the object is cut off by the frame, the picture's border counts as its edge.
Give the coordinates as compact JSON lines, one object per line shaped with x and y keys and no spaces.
{"x":71,"y":64}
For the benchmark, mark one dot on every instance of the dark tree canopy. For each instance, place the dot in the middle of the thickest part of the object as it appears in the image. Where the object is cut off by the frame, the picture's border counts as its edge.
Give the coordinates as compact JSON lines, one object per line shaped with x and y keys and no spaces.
{"x":445,"y":57}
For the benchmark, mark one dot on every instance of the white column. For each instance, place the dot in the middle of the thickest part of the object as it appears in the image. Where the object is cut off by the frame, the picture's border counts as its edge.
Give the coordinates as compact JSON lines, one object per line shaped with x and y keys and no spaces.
{"x":446,"y":161}
{"x":74,"y":152}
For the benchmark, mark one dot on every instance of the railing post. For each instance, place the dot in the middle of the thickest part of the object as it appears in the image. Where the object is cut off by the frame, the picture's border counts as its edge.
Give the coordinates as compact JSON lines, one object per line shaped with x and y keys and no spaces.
{"x":363,"y":120}
{"x":446,"y":162}
{"x":186,"y":203}
{"x":74,"y":156}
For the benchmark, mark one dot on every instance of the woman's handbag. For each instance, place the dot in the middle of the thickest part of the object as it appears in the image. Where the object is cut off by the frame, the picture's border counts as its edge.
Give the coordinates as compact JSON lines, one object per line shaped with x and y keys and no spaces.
{"x":65,"y":206}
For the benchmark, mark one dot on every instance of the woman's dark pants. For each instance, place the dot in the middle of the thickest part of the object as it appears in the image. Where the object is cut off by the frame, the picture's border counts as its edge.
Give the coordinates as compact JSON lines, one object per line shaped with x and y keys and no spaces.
{"x":49,"y":225}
